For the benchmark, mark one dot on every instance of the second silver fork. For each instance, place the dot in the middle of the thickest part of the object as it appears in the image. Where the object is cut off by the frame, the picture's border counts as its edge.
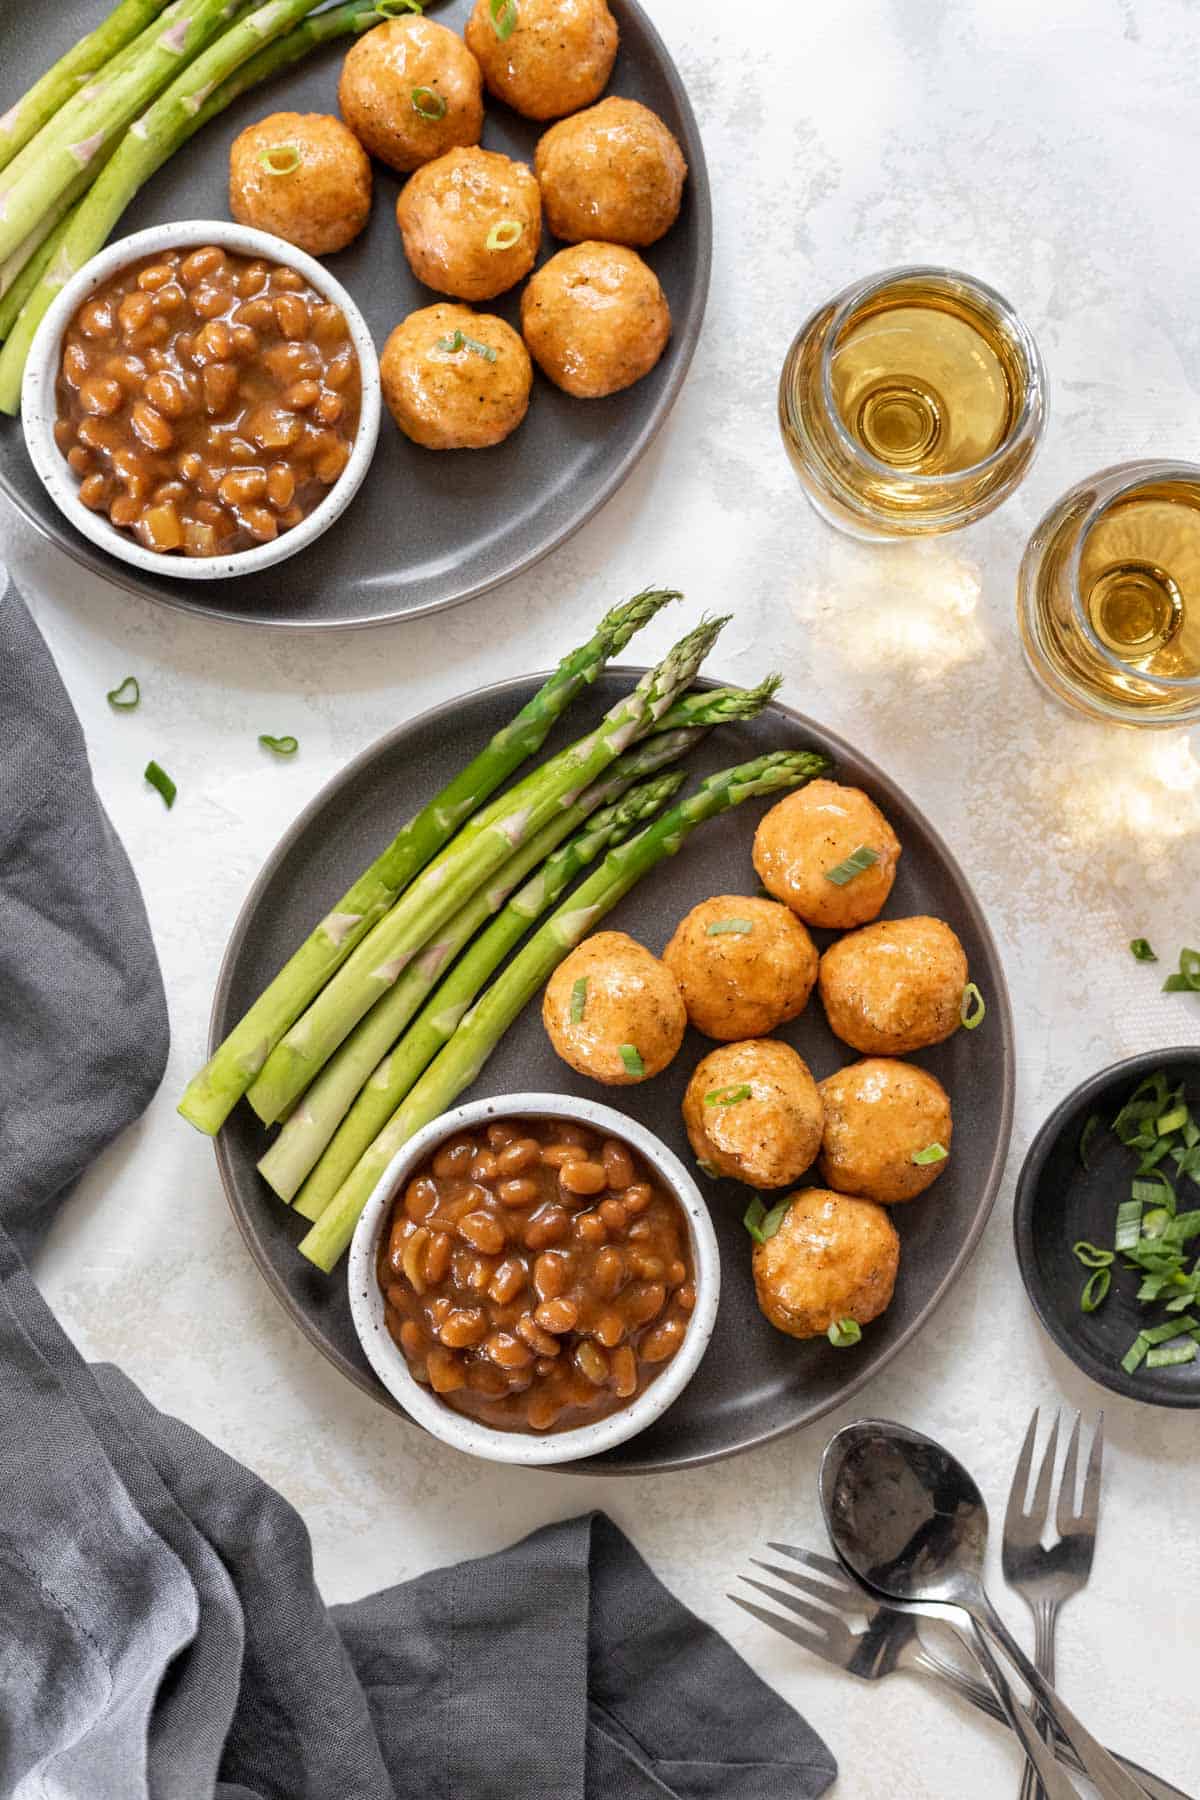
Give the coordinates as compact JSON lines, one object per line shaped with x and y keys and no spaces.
{"x":1047,"y":1576}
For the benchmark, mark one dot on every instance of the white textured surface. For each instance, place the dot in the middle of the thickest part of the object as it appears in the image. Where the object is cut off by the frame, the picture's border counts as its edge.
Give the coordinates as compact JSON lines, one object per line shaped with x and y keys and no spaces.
{"x":1049,"y":146}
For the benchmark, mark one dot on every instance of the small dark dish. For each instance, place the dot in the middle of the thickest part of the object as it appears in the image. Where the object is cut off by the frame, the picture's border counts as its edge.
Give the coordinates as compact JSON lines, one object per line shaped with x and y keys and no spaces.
{"x":1059,"y":1203}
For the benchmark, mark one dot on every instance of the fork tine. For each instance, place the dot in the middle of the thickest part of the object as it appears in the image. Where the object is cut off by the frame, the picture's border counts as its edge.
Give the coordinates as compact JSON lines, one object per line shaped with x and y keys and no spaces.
{"x":838,"y":1599}
{"x":1089,"y":1511}
{"x":807,"y":1640}
{"x":820,"y":1616}
{"x":1040,"y":1505}
{"x":1015,"y":1511}
{"x":1064,"y":1516}
{"x":825,"y":1565}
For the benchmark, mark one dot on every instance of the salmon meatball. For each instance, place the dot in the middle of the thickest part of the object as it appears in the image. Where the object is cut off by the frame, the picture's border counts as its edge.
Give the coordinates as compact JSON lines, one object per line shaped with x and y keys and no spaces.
{"x":302,"y":176}
{"x":834,"y":1257}
{"x":894,"y":986}
{"x":744,"y":966}
{"x":471,"y":223}
{"x":544,"y":58}
{"x":753,"y":1112}
{"x":595,"y":319}
{"x":454,"y":379}
{"x":803,"y":843}
{"x":410,"y":90}
{"x":613,"y":1011}
{"x":614,"y":172}
{"x":881,"y":1116}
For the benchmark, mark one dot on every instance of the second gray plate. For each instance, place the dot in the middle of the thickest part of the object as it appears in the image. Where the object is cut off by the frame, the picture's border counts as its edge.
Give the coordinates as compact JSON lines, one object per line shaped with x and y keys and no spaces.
{"x":754,"y":1383}
{"x":428,"y":529}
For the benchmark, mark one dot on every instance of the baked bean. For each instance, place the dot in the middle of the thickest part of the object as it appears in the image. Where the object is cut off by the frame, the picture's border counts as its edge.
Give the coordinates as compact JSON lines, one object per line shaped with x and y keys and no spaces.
{"x":300,"y":395}
{"x":244,"y":341}
{"x":155,"y":276}
{"x":220,"y":387}
{"x":291,"y":515}
{"x":236,"y":448}
{"x":256,"y":315}
{"x":260,"y":523}
{"x":128,"y":370}
{"x":151,"y":427}
{"x":167,"y":395}
{"x":174,"y":492}
{"x":330,"y":462}
{"x":281,"y":486}
{"x":241,"y":486}
{"x":328,"y":325}
{"x":288,"y":280}
{"x":80,"y":459}
{"x":170,"y":299}
{"x":329,"y":408}
{"x":95,"y":318}
{"x":445,"y":1370}
{"x":252,"y":279}
{"x":125,"y":510}
{"x":202,"y":262}
{"x":135,"y":312}
{"x":548,"y":1297}
{"x":209,"y":302}
{"x":93,"y":491}
{"x":75,"y":365}
{"x":291,"y":315}
{"x":289,"y":362}
{"x":100,"y":395}
{"x":341,"y":370}
{"x":212,"y":343}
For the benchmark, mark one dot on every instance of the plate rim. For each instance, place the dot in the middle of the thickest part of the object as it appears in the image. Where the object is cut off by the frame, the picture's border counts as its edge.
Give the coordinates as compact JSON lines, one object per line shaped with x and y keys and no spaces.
{"x":999,"y":1005}
{"x":685,"y":340}
{"x":1114,"y":1378}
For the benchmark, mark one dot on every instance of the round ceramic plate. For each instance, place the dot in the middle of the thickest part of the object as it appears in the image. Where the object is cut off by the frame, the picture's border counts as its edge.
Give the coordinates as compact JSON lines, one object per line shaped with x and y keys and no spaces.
{"x":428,"y":529}
{"x":1059,"y":1203}
{"x":754,"y":1383}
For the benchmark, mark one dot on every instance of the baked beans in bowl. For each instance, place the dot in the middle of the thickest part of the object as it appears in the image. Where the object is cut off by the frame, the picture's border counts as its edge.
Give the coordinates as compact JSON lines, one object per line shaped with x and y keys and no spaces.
{"x":535,"y":1278}
{"x":202,"y":399}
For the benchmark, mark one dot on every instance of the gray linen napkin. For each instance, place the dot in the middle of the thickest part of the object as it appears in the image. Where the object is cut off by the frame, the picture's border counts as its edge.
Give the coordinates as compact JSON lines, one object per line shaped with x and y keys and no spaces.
{"x":161,"y":1635}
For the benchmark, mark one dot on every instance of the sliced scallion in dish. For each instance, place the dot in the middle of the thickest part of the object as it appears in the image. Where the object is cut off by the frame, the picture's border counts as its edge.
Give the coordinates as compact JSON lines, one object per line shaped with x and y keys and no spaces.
{"x":1139,"y":949}
{"x":280,"y":159}
{"x":857,"y":861}
{"x":282,"y":746}
{"x":631,"y":1056}
{"x":455,"y":341}
{"x":729,"y":928}
{"x":843,"y":1333}
{"x":158,"y":778}
{"x":1085,"y":1140}
{"x":428,"y":103}
{"x":932,"y":1153}
{"x":505,"y":234}
{"x":1094,"y":1289}
{"x":973,"y":1009}
{"x":504,"y":18}
{"x":728,"y":1096}
{"x":1091,"y":1256}
{"x":762,"y":1224}
{"x":126,"y":696}
{"x":579,"y":1000}
{"x":1186,"y":979}
{"x":709,"y":1169}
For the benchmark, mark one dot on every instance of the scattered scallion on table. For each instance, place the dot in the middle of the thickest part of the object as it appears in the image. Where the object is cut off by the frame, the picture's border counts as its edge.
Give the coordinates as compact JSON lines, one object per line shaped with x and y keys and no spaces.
{"x":1186,"y":979}
{"x":282,"y":746}
{"x":1139,"y":949}
{"x":159,"y":779}
{"x":125,"y":696}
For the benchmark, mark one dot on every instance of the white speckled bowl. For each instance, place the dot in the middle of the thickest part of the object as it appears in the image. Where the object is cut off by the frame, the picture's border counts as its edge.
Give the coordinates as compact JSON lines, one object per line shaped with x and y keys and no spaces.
{"x":420,"y":1403}
{"x":39,"y":407}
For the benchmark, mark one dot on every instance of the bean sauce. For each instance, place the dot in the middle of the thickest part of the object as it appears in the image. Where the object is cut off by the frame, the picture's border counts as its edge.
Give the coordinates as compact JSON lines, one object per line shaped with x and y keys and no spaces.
{"x":537,"y":1275}
{"x":207,"y":401}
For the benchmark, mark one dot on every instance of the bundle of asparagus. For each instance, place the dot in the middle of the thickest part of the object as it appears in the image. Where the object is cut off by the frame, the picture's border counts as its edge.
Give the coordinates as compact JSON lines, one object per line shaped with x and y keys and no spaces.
{"x":372,"y":1027}
{"x":78,"y":146}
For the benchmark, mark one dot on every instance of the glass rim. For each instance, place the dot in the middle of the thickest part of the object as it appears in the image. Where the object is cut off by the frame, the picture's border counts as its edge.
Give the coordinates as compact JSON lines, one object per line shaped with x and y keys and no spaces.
{"x":1032,"y":405}
{"x":1137,"y":474}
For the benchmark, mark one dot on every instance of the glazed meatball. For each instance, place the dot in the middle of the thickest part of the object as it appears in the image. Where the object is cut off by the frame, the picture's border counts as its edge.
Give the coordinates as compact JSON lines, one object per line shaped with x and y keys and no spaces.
{"x":471,"y":223}
{"x":753,"y":1111}
{"x":879,"y":1115}
{"x":302,"y":176}
{"x":833,"y":1257}
{"x":595,"y":319}
{"x":410,"y":90}
{"x":614,"y":172}
{"x":613,"y":1011}
{"x":894,"y":986}
{"x":744,"y":966}
{"x":454,"y":379}
{"x":815,"y":830}
{"x":544,"y":57}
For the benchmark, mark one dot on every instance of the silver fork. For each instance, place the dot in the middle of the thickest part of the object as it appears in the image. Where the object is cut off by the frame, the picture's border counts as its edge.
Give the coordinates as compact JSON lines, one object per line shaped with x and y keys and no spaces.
{"x":1047,"y":1577}
{"x":888,"y":1640}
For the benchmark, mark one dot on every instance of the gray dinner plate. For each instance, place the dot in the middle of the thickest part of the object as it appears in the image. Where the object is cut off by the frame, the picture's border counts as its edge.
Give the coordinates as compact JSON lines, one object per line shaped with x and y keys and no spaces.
{"x":428,"y":528}
{"x":754,"y":1383}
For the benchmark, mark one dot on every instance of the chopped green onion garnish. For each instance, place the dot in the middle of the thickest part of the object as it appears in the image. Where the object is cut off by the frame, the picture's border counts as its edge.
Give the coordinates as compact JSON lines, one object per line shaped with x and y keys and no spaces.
{"x":1091,"y":1256}
{"x":458,"y":340}
{"x":158,"y":778}
{"x":1171,"y":1356}
{"x":282,"y":746}
{"x":709,"y":1169}
{"x":125,"y":697}
{"x":1135,"y":1356}
{"x":1187,"y":979}
{"x":932,"y":1153}
{"x":727,"y":1096}
{"x":578,"y":999}
{"x":721,"y":927}
{"x":1085,"y":1137}
{"x":844,"y":1332}
{"x":1155,"y":1222}
{"x":429,"y":104}
{"x":1172,"y":1121}
{"x":1129,"y":1225}
{"x":762,"y":1224}
{"x":855,"y":863}
{"x":631,"y":1056}
{"x":394,"y":9}
{"x":1094,"y":1289}
{"x":973,"y":1007}
{"x":504,"y":18}
{"x":505,"y":233}
{"x":280,"y":159}
{"x":1139,"y":949}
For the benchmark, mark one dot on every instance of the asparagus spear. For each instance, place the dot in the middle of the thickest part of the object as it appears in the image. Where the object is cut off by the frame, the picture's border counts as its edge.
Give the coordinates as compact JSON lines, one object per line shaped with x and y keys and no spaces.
{"x":313,"y":1121}
{"x":215,"y":1090}
{"x":459,"y":1063}
{"x":71,"y":71}
{"x":375,"y":1035}
{"x":339,"y":21}
{"x":436,"y":895}
{"x":50,"y":162}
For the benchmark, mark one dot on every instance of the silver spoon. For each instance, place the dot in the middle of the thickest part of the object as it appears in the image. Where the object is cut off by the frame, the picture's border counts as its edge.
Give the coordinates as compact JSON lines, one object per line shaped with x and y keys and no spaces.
{"x":906,"y":1518}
